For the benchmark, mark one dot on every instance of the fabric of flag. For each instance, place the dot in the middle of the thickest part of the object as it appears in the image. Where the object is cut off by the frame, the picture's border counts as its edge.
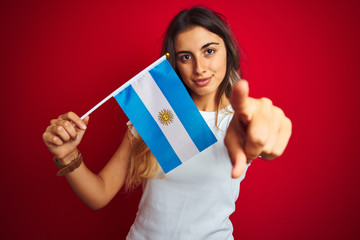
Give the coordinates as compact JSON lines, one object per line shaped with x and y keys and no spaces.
{"x":161,"y":110}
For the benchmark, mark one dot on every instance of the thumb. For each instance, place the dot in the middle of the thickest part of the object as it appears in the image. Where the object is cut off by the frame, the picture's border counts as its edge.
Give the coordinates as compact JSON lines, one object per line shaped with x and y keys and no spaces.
{"x":81,"y":132}
{"x":86,"y":120}
{"x":241,"y":102}
{"x":240,"y":96}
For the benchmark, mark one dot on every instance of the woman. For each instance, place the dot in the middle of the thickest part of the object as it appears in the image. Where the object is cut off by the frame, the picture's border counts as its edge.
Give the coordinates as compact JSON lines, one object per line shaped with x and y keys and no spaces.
{"x":195,"y":200}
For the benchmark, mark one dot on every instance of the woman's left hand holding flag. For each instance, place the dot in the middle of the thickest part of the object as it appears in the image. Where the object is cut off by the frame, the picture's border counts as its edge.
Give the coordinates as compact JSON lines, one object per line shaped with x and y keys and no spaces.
{"x":64,"y":134}
{"x":258,"y":128}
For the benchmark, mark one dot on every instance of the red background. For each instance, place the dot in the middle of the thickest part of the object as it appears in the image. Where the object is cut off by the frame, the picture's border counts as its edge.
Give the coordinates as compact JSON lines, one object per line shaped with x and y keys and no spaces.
{"x":58,"y":56}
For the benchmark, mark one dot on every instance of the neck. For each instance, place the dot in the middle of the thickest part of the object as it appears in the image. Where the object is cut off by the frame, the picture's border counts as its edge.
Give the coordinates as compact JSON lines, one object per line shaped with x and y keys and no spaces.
{"x":209,"y":104}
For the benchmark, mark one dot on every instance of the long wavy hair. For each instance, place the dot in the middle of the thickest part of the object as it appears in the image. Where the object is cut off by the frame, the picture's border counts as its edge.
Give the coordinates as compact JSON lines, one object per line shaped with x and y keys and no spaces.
{"x":143,"y":164}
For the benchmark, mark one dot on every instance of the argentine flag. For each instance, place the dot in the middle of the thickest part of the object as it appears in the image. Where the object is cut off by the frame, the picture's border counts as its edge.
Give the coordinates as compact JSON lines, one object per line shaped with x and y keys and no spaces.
{"x":161,"y":110}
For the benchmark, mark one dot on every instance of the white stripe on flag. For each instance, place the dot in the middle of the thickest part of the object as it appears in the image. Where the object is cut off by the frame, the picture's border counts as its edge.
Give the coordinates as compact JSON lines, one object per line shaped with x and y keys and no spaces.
{"x":155,"y":102}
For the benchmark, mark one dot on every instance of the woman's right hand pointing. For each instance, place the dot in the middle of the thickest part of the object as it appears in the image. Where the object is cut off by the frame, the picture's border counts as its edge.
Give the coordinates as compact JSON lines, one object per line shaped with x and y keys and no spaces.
{"x":257,"y":128}
{"x":64,"y":134}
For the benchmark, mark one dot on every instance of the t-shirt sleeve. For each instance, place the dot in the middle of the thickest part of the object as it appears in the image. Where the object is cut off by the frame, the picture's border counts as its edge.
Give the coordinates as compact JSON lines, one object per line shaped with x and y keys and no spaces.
{"x":132,"y":129}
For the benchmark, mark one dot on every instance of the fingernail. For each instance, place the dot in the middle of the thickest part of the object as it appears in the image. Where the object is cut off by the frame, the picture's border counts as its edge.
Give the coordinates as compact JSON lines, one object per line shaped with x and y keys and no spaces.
{"x":83,"y":126}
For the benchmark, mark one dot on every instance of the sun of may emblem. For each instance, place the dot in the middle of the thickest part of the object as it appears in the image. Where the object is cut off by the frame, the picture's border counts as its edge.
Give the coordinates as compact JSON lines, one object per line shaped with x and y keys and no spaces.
{"x":165,"y":117}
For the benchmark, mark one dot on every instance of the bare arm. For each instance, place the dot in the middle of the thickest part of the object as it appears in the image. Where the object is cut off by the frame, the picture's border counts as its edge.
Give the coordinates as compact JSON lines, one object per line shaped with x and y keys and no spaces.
{"x":96,"y":190}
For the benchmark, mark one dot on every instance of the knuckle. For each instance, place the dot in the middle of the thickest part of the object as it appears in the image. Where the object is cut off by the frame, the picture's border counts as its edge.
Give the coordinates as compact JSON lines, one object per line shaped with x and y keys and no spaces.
{"x":67,"y":115}
{"x":48,"y":129}
{"x":57,"y":141}
{"x":259,"y":135}
{"x":277,"y":152}
{"x":70,"y":114}
{"x":288,"y":123}
{"x":44,"y":136}
{"x":272,"y":153}
{"x":279,"y":111}
{"x":59,"y":128}
{"x":67,"y":124}
{"x":266,"y":101}
{"x":266,"y":150}
{"x":60,"y":132}
{"x":259,"y":140}
{"x":73,"y":115}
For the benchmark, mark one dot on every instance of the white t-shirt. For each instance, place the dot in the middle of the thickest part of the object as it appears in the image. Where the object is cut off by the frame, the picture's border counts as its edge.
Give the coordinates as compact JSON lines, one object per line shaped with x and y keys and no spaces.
{"x":195,"y":200}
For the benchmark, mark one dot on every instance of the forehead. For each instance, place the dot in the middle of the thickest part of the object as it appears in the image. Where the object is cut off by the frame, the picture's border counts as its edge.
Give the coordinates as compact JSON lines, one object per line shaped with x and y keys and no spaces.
{"x":194,"y":38}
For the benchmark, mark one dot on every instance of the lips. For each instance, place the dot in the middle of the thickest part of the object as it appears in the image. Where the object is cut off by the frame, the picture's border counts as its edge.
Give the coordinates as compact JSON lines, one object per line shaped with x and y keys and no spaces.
{"x":202,"y":82}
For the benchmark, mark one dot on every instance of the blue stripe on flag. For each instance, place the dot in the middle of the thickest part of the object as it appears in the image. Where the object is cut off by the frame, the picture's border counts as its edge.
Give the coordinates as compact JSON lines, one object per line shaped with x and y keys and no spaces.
{"x":148,"y":129}
{"x":176,"y":94}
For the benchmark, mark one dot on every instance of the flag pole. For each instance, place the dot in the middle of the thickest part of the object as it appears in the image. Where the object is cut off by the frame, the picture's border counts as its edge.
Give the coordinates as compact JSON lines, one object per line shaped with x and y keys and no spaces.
{"x":122,"y":87}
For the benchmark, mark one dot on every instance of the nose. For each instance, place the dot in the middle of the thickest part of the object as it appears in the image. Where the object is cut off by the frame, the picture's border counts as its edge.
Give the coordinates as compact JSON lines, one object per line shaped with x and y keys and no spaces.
{"x":199,"y":66}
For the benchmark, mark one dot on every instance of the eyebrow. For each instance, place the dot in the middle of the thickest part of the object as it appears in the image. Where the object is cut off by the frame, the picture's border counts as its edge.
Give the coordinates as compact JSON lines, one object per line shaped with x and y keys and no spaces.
{"x":208,"y":44}
{"x":203,"y":47}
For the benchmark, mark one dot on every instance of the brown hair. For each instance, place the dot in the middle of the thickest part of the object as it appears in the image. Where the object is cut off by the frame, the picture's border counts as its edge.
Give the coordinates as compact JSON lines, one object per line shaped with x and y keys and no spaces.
{"x":215,"y":23}
{"x":143,"y":164}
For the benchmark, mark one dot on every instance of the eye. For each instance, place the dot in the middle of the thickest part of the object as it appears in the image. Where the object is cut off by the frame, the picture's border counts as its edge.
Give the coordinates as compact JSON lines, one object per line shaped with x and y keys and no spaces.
{"x":184,"y":58}
{"x":210,"y":51}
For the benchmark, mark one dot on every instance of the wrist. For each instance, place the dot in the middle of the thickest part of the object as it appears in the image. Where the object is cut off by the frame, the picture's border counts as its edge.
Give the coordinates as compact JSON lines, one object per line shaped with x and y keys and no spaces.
{"x":69,"y":167}
{"x":68,"y":158}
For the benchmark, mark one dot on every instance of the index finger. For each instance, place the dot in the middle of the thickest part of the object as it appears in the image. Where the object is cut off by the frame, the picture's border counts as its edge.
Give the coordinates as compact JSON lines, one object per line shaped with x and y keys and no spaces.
{"x":234,"y":144}
{"x":73,"y":117}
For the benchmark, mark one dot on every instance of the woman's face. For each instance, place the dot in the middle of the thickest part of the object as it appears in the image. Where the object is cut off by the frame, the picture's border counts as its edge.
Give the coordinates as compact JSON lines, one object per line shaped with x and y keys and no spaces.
{"x":201,"y":61}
